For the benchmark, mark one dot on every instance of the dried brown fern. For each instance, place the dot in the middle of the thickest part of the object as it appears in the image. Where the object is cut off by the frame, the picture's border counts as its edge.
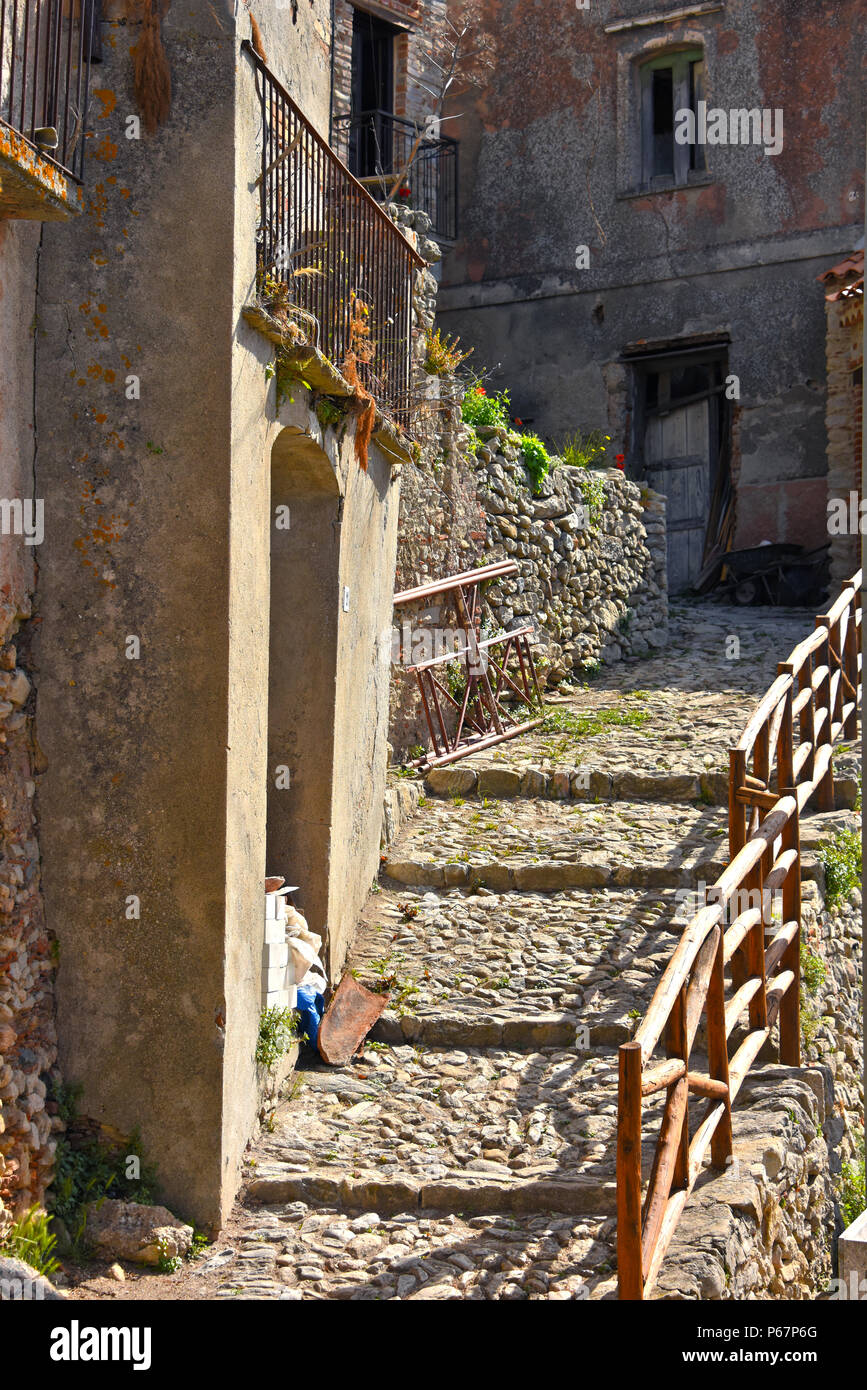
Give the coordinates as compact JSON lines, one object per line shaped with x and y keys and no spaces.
{"x":257,"y":39}
{"x":152,"y":79}
{"x":361,"y":349}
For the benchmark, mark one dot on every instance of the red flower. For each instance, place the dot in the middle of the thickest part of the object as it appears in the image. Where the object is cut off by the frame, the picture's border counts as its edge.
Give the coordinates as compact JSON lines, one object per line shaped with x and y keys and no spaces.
{"x":620,"y":458}
{"x":518,"y":422}
{"x":480,"y":391}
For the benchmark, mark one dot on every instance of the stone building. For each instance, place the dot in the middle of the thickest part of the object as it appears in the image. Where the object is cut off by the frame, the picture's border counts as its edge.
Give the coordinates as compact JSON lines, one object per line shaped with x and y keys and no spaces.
{"x":194,"y":689}
{"x":648,"y":193}
{"x":844,"y":303}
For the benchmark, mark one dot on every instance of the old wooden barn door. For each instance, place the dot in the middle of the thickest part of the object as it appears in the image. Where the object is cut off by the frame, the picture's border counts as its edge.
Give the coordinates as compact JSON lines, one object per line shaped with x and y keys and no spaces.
{"x":678,"y":464}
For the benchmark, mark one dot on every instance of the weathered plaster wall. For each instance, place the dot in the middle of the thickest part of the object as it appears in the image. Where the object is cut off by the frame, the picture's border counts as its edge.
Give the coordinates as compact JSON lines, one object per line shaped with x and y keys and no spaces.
{"x":138,"y":544}
{"x":548,"y":165}
{"x":157,"y":422}
{"x":27,"y":1033}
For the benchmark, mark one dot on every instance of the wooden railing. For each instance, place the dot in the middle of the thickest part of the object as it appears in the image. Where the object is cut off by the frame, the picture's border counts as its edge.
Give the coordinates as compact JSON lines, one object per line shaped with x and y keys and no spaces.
{"x":733,"y":958}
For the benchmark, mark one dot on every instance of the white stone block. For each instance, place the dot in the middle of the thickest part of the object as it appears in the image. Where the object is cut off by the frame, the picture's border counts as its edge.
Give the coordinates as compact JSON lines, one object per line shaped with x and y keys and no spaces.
{"x":274,"y":979}
{"x":275,"y":956}
{"x":852,"y":1254}
{"x":277,"y":999}
{"x":275,"y":930}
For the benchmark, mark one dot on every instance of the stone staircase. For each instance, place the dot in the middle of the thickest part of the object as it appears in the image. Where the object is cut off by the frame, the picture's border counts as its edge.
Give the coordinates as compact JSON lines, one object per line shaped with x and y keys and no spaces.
{"x":521,"y":924}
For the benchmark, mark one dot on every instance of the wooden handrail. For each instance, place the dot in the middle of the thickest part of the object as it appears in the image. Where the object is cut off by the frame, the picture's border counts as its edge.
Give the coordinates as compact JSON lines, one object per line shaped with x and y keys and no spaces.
{"x":789,"y":741}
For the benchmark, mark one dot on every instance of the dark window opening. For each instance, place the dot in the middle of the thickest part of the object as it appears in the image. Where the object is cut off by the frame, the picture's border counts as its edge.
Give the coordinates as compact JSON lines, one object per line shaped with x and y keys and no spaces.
{"x":370,"y":149}
{"x":670,"y":85}
{"x":663,"y":121}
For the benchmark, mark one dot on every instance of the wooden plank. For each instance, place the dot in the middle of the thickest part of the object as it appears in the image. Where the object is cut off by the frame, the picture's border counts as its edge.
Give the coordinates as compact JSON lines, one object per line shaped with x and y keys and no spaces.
{"x":663,"y":1075}
{"x":666,"y":1162}
{"x":630,"y":1284}
{"x":706,"y":1086}
{"x":696,"y":993}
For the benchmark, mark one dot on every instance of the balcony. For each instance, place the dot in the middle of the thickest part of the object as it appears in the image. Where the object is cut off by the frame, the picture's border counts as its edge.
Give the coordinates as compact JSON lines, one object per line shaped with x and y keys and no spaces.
{"x":45,"y":51}
{"x":381,"y":145}
{"x":343,"y":267}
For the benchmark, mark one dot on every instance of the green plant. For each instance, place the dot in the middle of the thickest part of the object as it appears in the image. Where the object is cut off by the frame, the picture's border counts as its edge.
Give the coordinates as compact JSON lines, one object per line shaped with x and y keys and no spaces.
{"x":593,"y":495}
{"x":581,"y":450}
{"x":328,"y":413}
{"x":30,"y":1239}
{"x":200,"y":1243}
{"x":813,"y":970}
{"x":842,"y":860}
{"x":576,"y":726}
{"x":443,"y":354}
{"x":851,"y":1188}
{"x":478,"y":408}
{"x":278,"y":1029}
{"x":91,"y":1170}
{"x":536,"y":458}
{"x":810,"y":1022}
{"x":166,"y":1263}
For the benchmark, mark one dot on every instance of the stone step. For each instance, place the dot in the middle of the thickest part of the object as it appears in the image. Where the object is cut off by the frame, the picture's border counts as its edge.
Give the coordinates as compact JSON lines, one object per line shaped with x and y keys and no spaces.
{"x":289,"y":1251}
{"x":541,"y":846}
{"x":593,"y":782}
{"x":588,"y":782}
{"x":463,"y":1130}
{"x":517,"y":969}
{"x":385,"y":1196}
{"x":520,"y":1032}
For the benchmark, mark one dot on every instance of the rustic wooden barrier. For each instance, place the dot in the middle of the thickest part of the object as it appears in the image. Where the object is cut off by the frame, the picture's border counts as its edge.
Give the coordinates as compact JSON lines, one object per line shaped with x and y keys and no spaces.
{"x":733,"y":960}
{"x":485,"y":714}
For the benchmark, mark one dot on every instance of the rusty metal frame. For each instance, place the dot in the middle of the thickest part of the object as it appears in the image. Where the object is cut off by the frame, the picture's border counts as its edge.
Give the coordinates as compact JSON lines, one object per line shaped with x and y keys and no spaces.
{"x":483,"y":716}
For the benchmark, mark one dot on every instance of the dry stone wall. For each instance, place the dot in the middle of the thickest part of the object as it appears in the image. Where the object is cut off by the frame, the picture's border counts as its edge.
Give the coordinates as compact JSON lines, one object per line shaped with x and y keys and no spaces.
{"x":28,"y":1042}
{"x":592,"y":579}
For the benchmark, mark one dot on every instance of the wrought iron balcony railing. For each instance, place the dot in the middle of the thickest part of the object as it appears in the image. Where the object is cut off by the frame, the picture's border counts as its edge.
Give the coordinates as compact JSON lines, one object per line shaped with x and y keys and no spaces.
{"x":383,"y":147}
{"x":342,"y":259}
{"x":45,"y":52}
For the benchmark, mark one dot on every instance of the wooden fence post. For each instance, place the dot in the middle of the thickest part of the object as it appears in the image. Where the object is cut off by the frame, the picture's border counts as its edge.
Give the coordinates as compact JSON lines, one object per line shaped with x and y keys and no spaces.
{"x":790,"y":1005}
{"x":850,"y":666}
{"x":630,"y":1283}
{"x":718,"y":1055}
{"x":822,"y":701}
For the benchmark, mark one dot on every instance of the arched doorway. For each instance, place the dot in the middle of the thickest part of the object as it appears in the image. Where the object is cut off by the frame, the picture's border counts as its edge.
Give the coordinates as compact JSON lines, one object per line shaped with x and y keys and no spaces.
{"x":305,"y":549}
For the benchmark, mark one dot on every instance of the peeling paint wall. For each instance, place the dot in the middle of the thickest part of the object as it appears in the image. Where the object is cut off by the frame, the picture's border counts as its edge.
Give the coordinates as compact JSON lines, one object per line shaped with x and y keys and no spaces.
{"x":550,"y":160}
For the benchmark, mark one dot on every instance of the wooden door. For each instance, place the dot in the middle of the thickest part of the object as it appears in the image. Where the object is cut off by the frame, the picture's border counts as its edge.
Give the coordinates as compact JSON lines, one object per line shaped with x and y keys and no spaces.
{"x":677,"y":464}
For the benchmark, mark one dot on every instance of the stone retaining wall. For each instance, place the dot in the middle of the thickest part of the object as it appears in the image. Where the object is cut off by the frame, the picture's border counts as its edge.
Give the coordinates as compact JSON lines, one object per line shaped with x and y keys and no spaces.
{"x":592,"y":582}
{"x":28,"y":1041}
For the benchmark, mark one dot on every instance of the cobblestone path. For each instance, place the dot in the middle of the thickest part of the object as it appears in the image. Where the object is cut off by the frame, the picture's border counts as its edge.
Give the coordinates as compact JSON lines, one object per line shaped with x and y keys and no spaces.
{"x":522,"y":923}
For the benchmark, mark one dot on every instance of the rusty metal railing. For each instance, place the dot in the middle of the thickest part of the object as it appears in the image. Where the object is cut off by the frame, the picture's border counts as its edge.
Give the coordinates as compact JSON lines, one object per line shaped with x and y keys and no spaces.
{"x":735,"y":962}
{"x":45,"y":51}
{"x":324,"y":236}
{"x":497,"y":684}
{"x":381,"y":146}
